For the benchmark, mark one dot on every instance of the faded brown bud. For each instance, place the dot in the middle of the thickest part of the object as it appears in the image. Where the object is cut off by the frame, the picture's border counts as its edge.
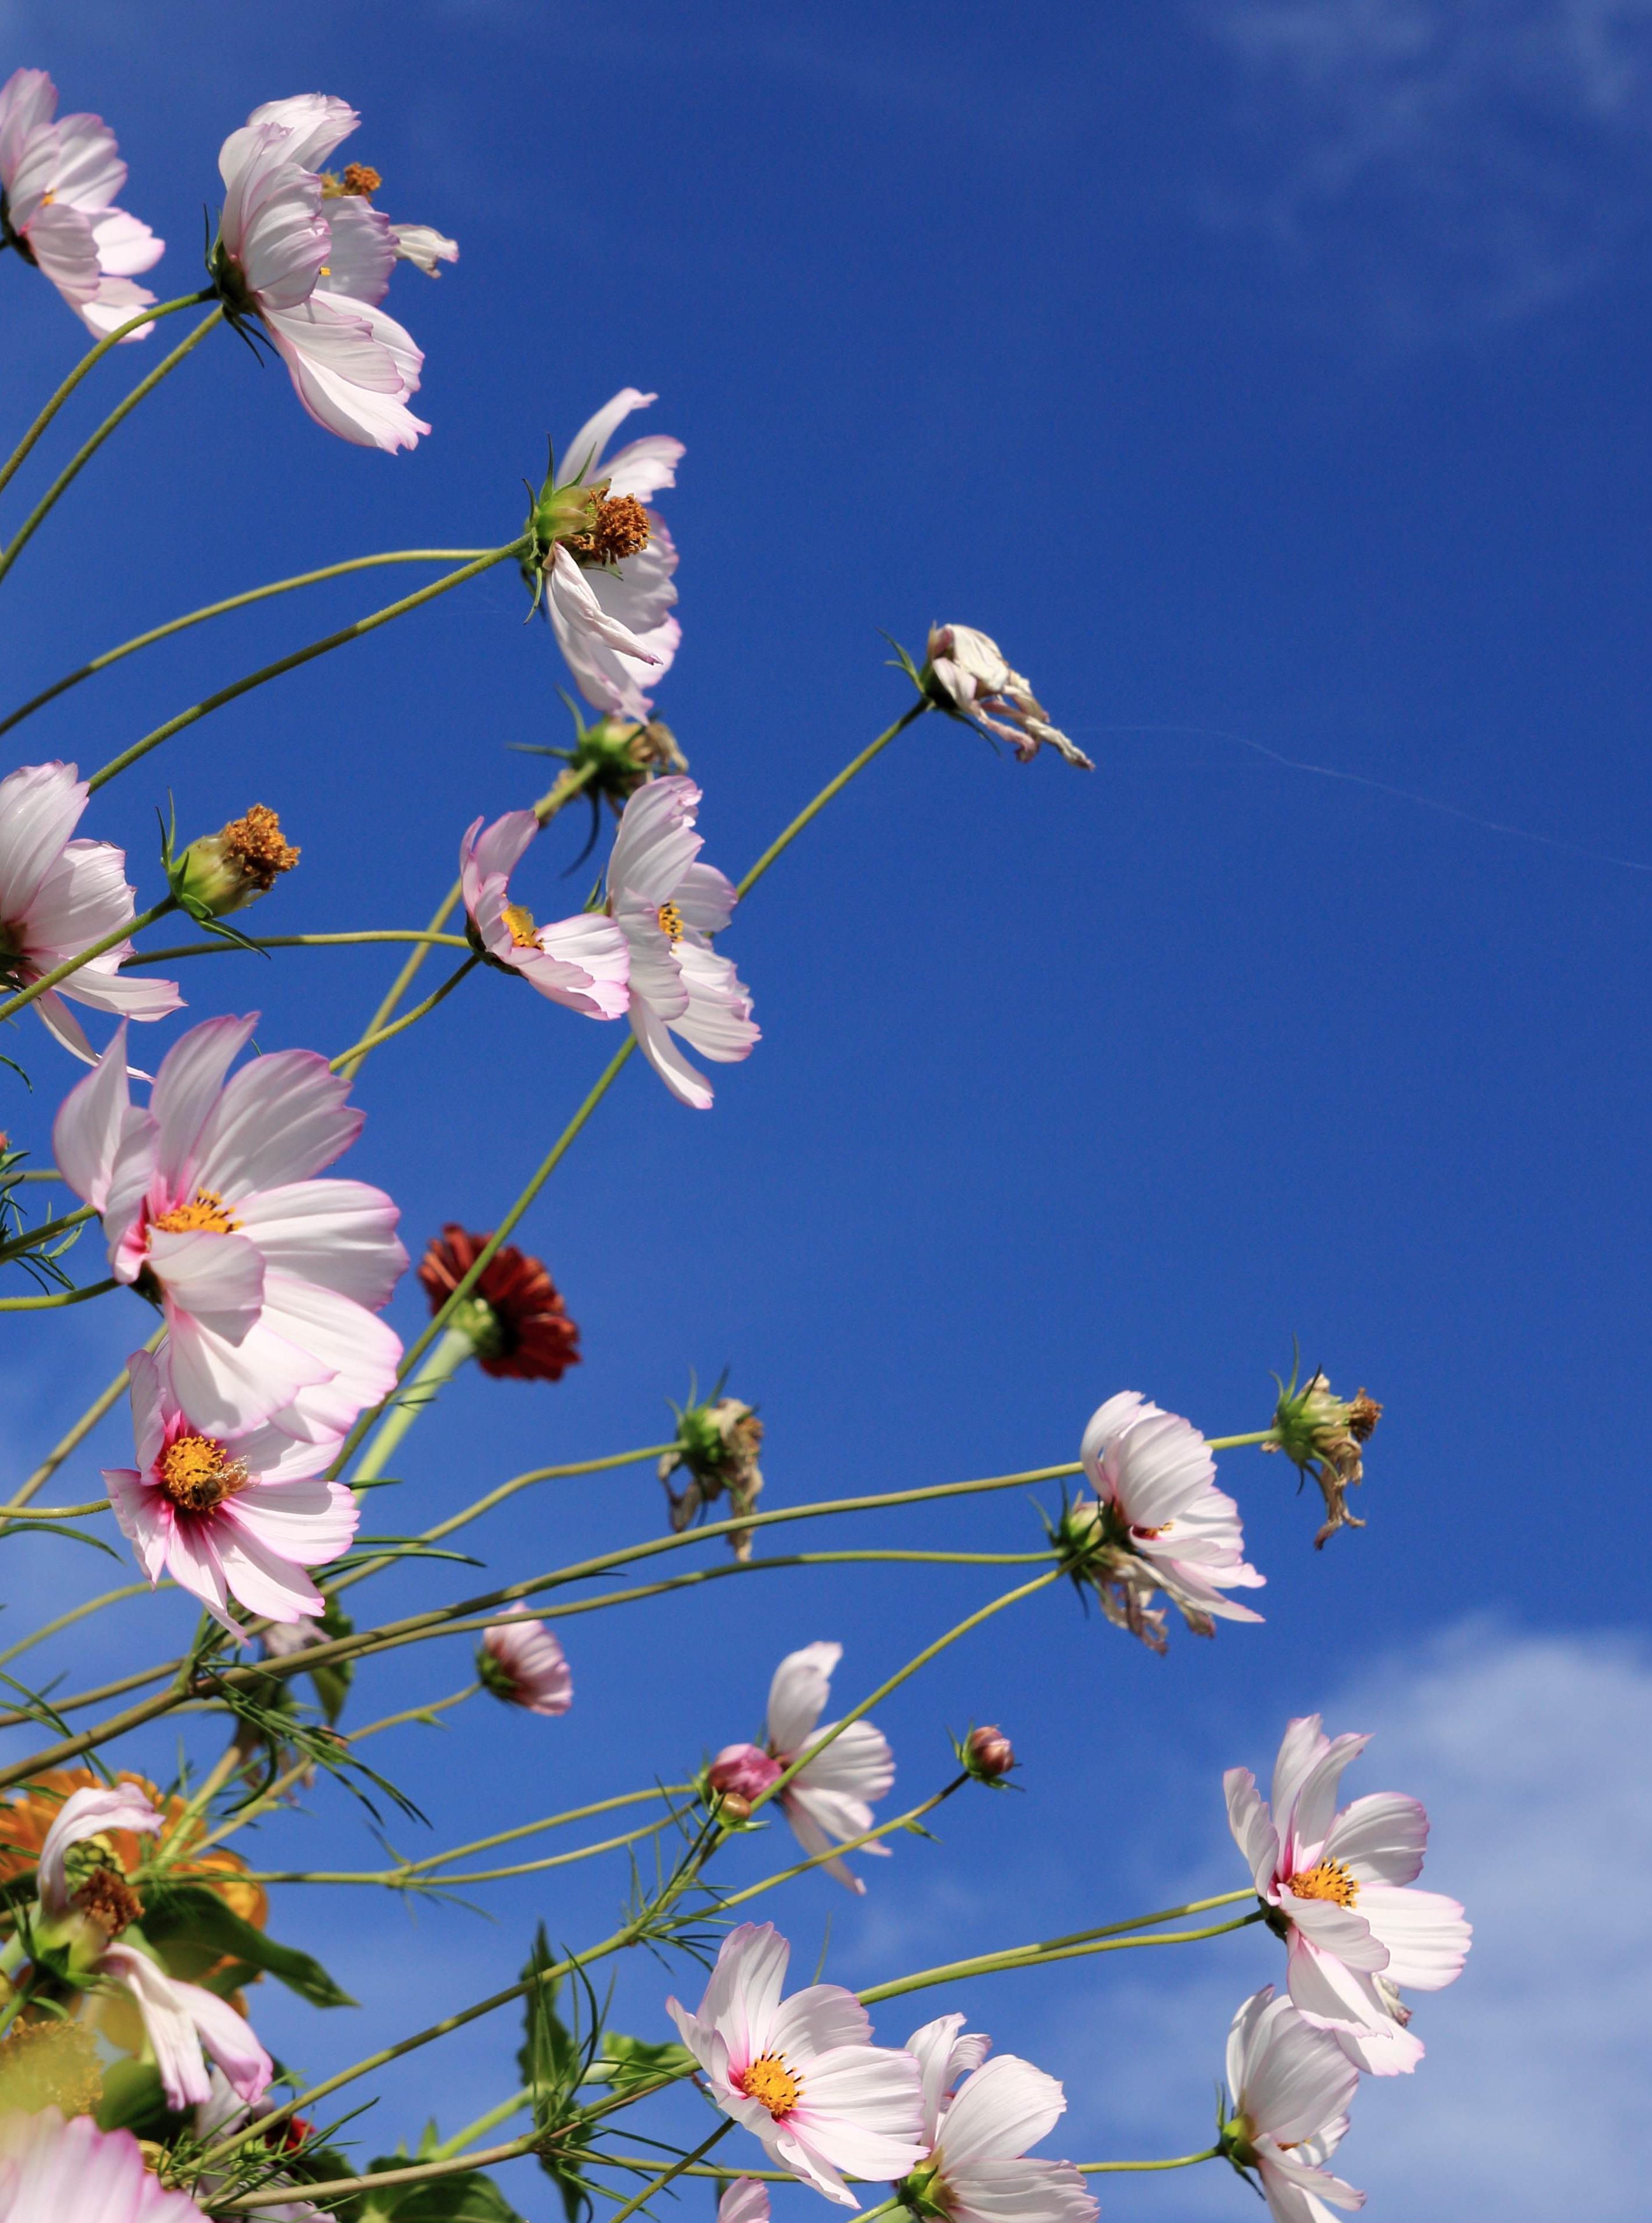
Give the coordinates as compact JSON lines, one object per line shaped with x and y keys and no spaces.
{"x":1322,"y":1435}
{"x":988,"y":1754}
{"x":717,"y":1445}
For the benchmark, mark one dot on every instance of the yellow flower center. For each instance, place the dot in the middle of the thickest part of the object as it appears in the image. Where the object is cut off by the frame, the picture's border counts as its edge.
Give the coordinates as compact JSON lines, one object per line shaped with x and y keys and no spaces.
{"x":769,"y":2080}
{"x":521,"y":923}
{"x":206,"y":1213}
{"x":196,"y":1473}
{"x":1325,"y":1880}
{"x":671,"y":922}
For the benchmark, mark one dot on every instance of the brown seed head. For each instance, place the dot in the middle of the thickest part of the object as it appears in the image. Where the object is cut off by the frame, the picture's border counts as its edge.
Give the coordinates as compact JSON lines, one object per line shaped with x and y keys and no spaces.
{"x":109,"y":1900}
{"x":258,"y":846}
{"x":361,"y":180}
{"x":619,"y":527}
{"x":1363,"y":1413}
{"x":525,"y":1333}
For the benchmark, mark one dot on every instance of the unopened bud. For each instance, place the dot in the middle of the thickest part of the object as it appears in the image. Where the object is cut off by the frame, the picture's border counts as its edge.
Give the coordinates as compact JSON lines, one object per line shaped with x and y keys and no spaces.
{"x":226,"y":871}
{"x":988,"y":1754}
{"x":736,"y":1808}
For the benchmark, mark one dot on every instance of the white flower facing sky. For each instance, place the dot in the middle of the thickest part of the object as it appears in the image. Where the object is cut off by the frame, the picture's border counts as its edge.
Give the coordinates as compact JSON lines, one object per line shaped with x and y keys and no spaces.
{"x":802,"y":2072}
{"x":53,"y":2171}
{"x":1172,"y":1529}
{"x":58,"y":896}
{"x":59,"y":176}
{"x":978,"y":2132}
{"x":269,"y":1279}
{"x":582,"y":961}
{"x":1289,"y":2085}
{"x":314,"y":269}
{"x":610,"y":591}
{"x":668,"y":906}
{"x":828,"y":1801}
{"x":1336,"y":1884}
{"x":241,"y":1514}
{"x":182,"y":2022}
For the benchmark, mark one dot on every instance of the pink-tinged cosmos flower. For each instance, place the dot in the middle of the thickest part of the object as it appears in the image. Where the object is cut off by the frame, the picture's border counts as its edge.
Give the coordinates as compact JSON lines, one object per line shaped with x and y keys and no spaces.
{"x":523,"y":1662}
{"x":978,"y":2132}
{"x":747,"y":2201}
{"x":1159,"y":1522}
{"x":180,"y":2020}
{"x":667,"y":906}
{"x":610,"y":590}
{"x":1291,"y":2087}
{"x":802,"y":2072}
{"x":313,"y":270}
{"x":58,"y":897}
{"x":829,"y":1800}
{"x":1334,"y":1886}
{"x":53,"y":2171}
{"x":268,"y":1278}
{"x":58,"y":183}
{"x":240,"y":1512}
{"x":582,"y":961}
{"x":968,"y":677}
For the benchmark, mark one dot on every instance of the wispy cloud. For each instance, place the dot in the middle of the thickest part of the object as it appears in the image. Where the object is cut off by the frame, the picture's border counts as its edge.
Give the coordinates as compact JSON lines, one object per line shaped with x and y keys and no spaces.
{"x":1462,"y":161}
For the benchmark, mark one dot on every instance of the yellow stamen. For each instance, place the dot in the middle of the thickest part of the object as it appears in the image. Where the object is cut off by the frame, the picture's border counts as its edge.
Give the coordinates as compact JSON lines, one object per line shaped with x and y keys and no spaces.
{"x":671,"y":922}
{"x":769,"y":2080}
{"x":1327,"y":1879}
{"x":521,"y":923}
{"x":205,"y":1214}
{"x":196,"y":1473}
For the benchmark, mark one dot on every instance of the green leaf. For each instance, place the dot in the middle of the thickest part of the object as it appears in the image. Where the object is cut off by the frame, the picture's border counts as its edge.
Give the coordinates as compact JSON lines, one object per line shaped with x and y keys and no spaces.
{"x":187,"y":1921}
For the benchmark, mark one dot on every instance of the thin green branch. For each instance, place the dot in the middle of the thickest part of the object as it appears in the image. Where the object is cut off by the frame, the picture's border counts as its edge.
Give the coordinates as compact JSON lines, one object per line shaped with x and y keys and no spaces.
{"x":1179,"y":2161}
{"x":833,"y":787}
{"x":221,"y":948}
{"x":403,"y":1880}
{"x":408,"y":1018}
{"x":76,"y":1612}
{"x":58,"y":1299}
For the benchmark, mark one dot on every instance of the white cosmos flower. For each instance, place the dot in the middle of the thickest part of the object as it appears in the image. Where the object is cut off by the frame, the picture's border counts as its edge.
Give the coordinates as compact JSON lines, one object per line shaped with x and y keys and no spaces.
{"x":1291,"y":2087}
{"x":58,"y":182}
{"x":978,"y":2132}
{"x":1336,"y":1886}
{"x":313,"y":270}
{"x":828,"y":1801}
{"x":609,"y":593}
{"x":668,"y":905}
{"x":970,"y":677}
{"x":580,"y":962}
{"x":801,"y":2073}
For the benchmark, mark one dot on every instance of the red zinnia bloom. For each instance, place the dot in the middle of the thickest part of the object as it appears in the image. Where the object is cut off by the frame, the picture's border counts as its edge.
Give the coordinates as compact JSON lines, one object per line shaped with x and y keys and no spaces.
{"x":518,"y":1320}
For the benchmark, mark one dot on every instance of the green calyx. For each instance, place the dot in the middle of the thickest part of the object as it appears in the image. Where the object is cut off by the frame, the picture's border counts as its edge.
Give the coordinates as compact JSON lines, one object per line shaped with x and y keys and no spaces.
{"x":921,"y":2192}
{"x":477,"y":1320}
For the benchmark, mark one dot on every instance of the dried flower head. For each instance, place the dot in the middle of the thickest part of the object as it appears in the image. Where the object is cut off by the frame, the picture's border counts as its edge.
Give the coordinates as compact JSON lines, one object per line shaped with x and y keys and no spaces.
{"x":716,"y":1446}
{"x":967,"y":677}
{"x":514,"y":1315}
{"x":226,"y":871}
{"x":1322,"y":1435}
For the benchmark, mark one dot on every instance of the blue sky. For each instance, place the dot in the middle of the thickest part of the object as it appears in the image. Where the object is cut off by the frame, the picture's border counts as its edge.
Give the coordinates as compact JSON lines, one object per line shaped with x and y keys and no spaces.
{"x":1269,"y":380}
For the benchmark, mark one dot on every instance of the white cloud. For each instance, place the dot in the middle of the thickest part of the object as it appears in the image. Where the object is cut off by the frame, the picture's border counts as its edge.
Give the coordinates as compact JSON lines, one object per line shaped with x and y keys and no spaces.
{"x":1531,"y":1755}
{"x":1465,"y":161}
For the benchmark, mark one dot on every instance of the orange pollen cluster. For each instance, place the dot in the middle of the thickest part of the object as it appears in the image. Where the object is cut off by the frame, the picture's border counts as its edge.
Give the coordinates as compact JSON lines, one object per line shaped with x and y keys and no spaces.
{"x":109,"y":1900}
{"x":521,"y":923}
{"x":619,"y":528}
{"x":1327,"y":1879}
{"x":361,"y":180}
{"x":671,"y":922}
{"x":769,"y":2081}
{"x":259,"y":847}
{"x":206,"y":1213}
{"x":196,"y":1473}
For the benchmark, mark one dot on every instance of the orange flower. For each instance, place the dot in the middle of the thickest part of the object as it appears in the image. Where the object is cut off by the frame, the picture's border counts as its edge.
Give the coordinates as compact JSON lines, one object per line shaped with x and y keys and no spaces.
{"x":25,"y":1819}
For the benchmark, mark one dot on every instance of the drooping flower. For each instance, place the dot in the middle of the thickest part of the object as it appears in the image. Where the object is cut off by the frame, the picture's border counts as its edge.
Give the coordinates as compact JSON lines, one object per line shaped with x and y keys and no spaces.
{"x":238,"y":1514}
{"x":58,"y":896}
{"x":1324,"y":1435}
{"x":977,"y":2132}
{"x":268,"y":1278}
{"x":1157,"y":1522}
{"x":58,"y":183}
{"x":1290,"y":2086}
{"x":582,"y":961}
{"x":604,"y":561}
{"x":967,"y":676}
{"x":523,"y":1662}
{"x":829,"y":1800}
{"x":716,"y":1447}
{"x":802,"y":2072}
{"x":180,"y":2020}
{"x":1334,"y":1885}
{"x":667,"y":905}
{"x":514,"y":1315}
{"x":53,"y":2171}
{"x":312,"y":271}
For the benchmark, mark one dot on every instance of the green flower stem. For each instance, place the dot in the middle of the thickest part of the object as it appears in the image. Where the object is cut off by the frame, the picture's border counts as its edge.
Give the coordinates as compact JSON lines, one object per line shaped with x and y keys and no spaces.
{"x":563,"y":789}
{"x":358,"y":1050}
{"x":56,"y":1513}
{"x":668,"y":2175}
{"x":77,"y":1612}
{"x":104,"y":942}
{"x":359,"y":631}
{"x":222,"y":609}
{"x":335,"y":2188}
{"x":417,"y":1397}
{"x":116,"y":419}
{"x":88,"y":362}
{"x":33,"y":1238}
{"x":58,"y":1299}
{"x":853,"y":1845}
{"x":832,"y":789}
{"x":1180,"y":2161}
{"x":1037,"y":1956}
{"x":400,"y":1879}
{"x":100,"y":1405}
{"x":223,"y":948}
{"x":490,"y":2121}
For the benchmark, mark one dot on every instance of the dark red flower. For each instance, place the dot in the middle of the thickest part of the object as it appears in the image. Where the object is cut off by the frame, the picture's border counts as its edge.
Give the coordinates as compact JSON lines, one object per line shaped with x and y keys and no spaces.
{"x":514,"y":1314}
